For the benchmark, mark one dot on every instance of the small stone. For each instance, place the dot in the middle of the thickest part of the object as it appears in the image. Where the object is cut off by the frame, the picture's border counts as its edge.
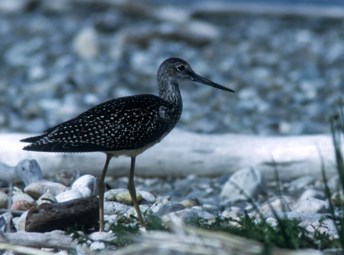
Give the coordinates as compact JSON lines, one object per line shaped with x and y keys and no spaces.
{"x":189,"y":203}
{"x":242,"y":184}
{"x":97,"y":246}
{"x":85,"y":184}
{"x":37,"y":189}
{"x":102,"y":236}
{"x":121,"y":195}
{"x":85,"y":44}
{"x":189,"y":215}
{"x":46,"y":198}
{"x":29,"y":171}
{"x":19,"y":222}
{"x":147,"y":196}
{"x":278,"y":204}
{"x":311,"y":205}
{"x":22,"y":205}
{"x":167,"y":208}
{"x":68,"y":195}
{"x":116,"y":208}
{"x":67,"y":177}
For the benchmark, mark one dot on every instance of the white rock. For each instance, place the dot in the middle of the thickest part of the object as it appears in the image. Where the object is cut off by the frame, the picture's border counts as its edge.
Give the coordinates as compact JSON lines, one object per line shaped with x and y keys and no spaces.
{"x":311,"y":193}
{"x":19,"y":222}
{"x":147,"y":196}
{"x":102,"y":236}
{"x":37,"y":189}
{"x":46,"y":198}
{"x":68,"y":195}
{"x":85,"y":44}
{"x":241,"y":184}
{"x":29,"y":171}
{"x":85,"y":185}
{"x":311,"y":205}
{"x":278,"y":204}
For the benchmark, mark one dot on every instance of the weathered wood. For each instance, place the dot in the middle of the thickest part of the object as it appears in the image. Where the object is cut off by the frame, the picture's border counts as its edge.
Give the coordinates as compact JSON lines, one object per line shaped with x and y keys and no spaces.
{"x":183,"y":153}
{"x":81,"y":213}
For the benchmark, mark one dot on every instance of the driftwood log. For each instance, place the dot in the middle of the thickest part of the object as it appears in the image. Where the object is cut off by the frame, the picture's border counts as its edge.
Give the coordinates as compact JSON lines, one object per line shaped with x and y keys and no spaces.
{"x":183,"y":153}
{"x":81,"y":213}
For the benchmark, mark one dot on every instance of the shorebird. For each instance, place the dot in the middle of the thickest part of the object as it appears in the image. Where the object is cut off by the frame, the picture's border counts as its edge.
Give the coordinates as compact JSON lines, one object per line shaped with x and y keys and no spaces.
{"x":124,"y":126}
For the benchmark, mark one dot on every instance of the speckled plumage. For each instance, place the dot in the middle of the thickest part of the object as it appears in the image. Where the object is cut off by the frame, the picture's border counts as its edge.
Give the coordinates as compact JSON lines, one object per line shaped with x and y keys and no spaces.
{"x":123,"y":126}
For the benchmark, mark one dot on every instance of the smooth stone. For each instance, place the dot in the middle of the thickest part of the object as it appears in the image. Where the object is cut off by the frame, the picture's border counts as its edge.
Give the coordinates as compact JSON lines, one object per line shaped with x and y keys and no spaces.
{"x":337,"y":198}
{"x":67,"y":177}
{"x":46,"y":198}
{"x":311,"y":193}
{"x":29,"y":171}
{"x":3,"y":200}
{"x":278,"y":204}
{"x":37,"y":189}
{"x":113,"y":207}
{"x":234,"y":214}
{"x":147,"y":196}
{"x":311,"y":205}
{"x":5,"y":218}
{"x":242,"y":184}
{"x":19,"y":222}
{"x":167,"y":208}
{"x":326,"y":227}
{"x":85,"y":184}
{"x":121,"y":195}
{"x":102,"y":236}
{"x":188,"y":215}
{"x":301,"y":183}
{"x":189,"y":203}
{"x":22,"y":201}
{"x":22,"y":205}
{"x":68,"y":195}
{"x":97,"y":245}
{"x":85,"y":44}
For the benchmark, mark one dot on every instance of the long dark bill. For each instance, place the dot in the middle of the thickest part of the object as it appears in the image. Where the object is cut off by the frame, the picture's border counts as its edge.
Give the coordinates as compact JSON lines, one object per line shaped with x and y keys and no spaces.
{"x":198,"y":78}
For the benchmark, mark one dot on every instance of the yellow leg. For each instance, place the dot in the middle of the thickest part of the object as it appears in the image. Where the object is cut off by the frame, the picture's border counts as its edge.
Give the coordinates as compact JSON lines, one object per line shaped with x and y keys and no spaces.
{"x":101,"y":190}
{"x":132,"y":191}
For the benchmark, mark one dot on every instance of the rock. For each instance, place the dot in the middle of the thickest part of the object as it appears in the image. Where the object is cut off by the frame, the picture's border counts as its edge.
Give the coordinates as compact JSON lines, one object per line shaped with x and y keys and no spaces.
{"x":19,"y":222}
{"x":46,"y":198}
{"x":29,"y":171}
{"x":311,"y":205}
{"x":300,"y":184}
{"x":3,"y":200}
{"x":166,"y":208}
{"x":37,"y":189}
{"x":86,"y":185}
{"x":189,"y":203}
{"x":242,"y":184}
{"x":67,"y":177}
{"x":102,"y":236}
{"x":278,"y":204}
{"x":85,"y":43}
{"x":189,"y":215}
{"x":68,"y":195}
{"x":22,"y":201}
{"x":147,"y":196}
{"x":121,"y":195}
{"x":116,"y":208}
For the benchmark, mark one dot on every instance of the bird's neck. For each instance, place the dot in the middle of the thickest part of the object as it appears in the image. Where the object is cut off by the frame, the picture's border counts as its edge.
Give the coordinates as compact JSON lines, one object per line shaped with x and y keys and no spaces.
{"x":169,"y":91}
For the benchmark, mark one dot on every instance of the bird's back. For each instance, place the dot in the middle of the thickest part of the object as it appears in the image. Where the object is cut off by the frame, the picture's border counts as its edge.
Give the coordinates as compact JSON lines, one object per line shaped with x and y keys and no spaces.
{"x":123,"y":124}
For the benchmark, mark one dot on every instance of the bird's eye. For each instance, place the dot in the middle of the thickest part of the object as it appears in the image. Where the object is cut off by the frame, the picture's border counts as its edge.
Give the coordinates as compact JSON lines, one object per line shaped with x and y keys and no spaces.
{"x":181,"y":68}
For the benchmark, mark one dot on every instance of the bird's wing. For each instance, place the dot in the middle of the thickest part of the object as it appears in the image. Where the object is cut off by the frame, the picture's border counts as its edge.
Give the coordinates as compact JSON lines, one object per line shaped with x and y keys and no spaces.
{"x":127,"y":123}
